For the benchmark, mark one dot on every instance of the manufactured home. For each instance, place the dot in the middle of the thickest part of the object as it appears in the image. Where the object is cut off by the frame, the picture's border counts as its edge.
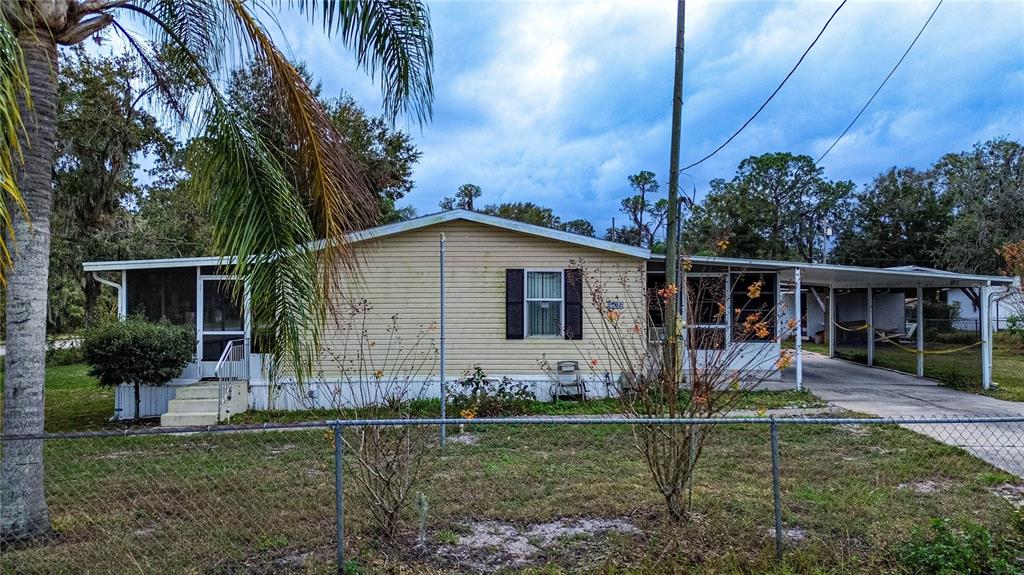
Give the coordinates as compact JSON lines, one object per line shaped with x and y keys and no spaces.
{"x":522,"y":302}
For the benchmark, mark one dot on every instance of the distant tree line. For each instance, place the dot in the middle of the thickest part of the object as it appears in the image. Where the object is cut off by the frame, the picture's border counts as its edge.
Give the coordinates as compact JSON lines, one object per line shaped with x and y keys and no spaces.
{"x":957,"y":214}
{"x":122,"y":190}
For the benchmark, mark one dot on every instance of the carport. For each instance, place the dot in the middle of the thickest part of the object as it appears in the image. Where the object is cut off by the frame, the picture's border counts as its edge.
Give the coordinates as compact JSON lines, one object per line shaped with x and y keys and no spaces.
{"x":857,"y":299}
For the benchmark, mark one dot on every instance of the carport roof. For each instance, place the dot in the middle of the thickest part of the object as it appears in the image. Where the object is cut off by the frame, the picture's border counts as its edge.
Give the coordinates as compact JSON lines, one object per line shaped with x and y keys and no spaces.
{"x":852,"y":276}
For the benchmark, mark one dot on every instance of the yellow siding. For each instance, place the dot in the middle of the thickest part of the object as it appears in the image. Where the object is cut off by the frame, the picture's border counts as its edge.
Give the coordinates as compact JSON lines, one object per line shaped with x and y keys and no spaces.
{"x":400,"y":278}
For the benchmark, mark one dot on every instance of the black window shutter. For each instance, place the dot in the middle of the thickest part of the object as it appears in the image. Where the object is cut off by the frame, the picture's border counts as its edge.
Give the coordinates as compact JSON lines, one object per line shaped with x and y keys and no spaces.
{"x":573,"y":304}
{"x":514,"y":303}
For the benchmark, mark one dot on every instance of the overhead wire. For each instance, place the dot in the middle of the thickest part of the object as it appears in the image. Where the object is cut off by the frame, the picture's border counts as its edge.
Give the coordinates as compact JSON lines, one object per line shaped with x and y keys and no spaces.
{"x":773,"y":94}
{"x":882,"y":85}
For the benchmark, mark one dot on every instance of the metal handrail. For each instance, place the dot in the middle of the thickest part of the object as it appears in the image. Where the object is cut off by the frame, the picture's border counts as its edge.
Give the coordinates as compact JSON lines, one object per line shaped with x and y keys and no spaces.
{"x":228,"y":358}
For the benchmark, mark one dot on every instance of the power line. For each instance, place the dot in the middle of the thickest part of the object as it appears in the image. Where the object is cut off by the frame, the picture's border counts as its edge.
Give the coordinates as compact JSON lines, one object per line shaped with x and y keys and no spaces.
{"x":891,"y":72}
{"x":762,"y":107}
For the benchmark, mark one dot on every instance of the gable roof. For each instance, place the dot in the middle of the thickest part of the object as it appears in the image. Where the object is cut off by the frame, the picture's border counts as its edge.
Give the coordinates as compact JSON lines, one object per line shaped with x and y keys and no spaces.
{"x":502,"y":223}
{"x":393,"y":229}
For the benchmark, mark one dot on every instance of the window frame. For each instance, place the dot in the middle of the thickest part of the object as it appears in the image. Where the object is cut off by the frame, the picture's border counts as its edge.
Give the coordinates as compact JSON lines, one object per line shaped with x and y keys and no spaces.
{"x":527,"y":300}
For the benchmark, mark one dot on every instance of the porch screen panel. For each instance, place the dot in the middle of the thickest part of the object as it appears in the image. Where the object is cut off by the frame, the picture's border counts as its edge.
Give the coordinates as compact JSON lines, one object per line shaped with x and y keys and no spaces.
{"x":167,"y":293}
{"x":754,"y":302}
{"x":708,"y":319}
{"x":221,"y":311}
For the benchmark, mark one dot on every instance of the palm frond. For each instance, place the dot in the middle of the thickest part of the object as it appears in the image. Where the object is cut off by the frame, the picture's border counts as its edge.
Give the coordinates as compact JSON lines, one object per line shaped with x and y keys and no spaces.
{"x":342,"y":197}
{"x":14,"y":89}
{"x":392,"y":41}
{"x":257,"y":216}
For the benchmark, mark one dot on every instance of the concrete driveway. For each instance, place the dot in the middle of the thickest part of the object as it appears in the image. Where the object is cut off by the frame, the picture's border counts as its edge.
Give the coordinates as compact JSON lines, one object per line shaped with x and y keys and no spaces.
{"x":886,"y":393}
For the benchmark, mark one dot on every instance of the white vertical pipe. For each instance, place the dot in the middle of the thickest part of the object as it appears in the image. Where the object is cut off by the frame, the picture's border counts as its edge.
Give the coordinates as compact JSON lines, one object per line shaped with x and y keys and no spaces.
{"x":199,"y":323}
{"x":247,"y":328}
{"x":986,"y":338}
{"x":122,"y":296}
{"x":920,"y":331}
{"x":831,"y":321}
{"x":444,"y":398}
{"x":871,"y":326}
{"x":799,"y":331}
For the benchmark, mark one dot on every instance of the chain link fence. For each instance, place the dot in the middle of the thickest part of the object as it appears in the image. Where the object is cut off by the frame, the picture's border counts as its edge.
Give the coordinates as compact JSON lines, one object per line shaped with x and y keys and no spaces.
{"x":549,"y":494}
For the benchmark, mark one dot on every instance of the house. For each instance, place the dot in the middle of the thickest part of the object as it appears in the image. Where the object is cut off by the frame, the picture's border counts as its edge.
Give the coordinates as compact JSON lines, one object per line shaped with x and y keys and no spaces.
{"x":1005,"y":304}
{"x":519,"y":300}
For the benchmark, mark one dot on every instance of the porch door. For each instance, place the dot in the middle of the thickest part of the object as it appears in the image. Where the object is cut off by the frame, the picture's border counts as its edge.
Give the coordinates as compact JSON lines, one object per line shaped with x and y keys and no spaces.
{"x":221,"y":320}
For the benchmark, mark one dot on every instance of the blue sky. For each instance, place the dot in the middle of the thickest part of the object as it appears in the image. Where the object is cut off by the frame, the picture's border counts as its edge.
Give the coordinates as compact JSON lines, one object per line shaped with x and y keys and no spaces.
{"x":558,"y":102}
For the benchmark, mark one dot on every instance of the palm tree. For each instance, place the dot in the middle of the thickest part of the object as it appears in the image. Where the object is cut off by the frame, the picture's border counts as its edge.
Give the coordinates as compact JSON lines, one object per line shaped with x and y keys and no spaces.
{"x":257,"y":213}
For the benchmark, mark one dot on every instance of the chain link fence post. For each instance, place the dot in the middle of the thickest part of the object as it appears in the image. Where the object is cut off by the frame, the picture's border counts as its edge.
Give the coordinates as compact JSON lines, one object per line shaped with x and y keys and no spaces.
{"x":339,"y":499}
{"x":776,"y":488}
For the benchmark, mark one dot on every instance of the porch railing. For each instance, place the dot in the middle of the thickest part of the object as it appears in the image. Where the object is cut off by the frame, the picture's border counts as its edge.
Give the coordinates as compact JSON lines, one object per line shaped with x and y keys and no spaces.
{"x":232,"y":366}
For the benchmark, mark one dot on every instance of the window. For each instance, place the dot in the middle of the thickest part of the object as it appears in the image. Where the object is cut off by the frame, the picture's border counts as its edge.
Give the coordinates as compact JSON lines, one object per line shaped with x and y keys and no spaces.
{"x":543,"y":303}
{"x":706,"y":310}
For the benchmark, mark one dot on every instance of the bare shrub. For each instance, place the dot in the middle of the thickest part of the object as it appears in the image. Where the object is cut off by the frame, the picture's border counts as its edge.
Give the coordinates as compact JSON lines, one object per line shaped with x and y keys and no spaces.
{"x":376,"y":374}
{"x":715,"y":369}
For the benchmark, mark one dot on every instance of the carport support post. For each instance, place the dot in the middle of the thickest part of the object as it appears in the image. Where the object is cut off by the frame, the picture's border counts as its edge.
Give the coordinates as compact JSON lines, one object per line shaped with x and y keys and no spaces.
{"x":831,"y":321}
{"x":986,"y":339}
{"x":920,"y":331}
{"x":799,"y":331}
{"x":871,"y":326}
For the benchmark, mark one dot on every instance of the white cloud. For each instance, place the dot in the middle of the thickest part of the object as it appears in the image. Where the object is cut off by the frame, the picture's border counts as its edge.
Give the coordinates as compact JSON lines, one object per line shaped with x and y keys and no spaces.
{"x":557,"y":102}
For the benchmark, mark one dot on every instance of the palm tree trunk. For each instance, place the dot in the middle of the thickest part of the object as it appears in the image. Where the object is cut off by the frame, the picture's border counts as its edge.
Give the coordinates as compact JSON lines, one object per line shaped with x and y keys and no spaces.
{"x":22,"y":499}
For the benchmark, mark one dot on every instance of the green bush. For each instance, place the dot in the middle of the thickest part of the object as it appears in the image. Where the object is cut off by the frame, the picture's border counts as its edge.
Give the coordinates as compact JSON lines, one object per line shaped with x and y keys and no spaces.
{"x":138,"y":351}
{"x":489,"y":398}
{"x":944,"y":550}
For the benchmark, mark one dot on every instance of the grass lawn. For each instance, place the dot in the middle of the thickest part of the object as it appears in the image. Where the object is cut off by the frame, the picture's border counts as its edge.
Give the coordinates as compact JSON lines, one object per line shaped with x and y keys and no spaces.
{"x":753,"y":400}
{"x":74,"y":401}
{"x":961,"y":369}
{"x":264,"y":502}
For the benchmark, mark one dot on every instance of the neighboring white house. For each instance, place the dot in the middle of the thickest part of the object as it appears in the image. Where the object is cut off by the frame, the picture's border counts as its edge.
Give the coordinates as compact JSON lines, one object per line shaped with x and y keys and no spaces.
{"x":1005,"y":303}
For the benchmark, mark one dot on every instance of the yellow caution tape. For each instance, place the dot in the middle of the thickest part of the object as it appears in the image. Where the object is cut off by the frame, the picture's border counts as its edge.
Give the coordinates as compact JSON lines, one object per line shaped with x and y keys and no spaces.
{"x":883,"y":337}
{"x":861,"y":328}
{"x":915,"y":351}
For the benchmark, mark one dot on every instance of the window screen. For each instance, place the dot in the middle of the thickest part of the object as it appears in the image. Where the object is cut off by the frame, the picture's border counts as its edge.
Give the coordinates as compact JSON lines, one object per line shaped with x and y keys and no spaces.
{"x":163,"y":293}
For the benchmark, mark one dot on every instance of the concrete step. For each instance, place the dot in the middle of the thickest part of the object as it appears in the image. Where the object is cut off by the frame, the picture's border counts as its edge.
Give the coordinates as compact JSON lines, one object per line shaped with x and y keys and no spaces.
{"x":198,"y":391}
{"x":171,"y":419}
{"x":189,"y":405}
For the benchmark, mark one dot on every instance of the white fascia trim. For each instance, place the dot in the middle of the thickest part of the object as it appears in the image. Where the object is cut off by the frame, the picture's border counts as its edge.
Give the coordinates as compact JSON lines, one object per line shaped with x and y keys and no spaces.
{"x":162,"y":263}
{"x":782,"y":265}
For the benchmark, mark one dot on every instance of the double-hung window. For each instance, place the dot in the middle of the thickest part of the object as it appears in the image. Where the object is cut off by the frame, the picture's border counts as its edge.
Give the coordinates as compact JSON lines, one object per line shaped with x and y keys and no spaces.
{"x":544,"y":302}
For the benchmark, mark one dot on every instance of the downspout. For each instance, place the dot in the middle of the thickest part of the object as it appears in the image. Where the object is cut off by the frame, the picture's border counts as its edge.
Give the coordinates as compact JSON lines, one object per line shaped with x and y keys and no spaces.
{"x":121,"y":312}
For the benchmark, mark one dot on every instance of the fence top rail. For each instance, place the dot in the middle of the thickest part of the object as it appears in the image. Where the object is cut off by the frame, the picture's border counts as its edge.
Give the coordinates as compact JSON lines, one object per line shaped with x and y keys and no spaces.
{"x":545,"y":420}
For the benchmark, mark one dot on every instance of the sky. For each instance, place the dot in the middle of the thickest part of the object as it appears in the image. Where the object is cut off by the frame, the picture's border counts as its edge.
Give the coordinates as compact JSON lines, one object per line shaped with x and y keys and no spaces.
{"x":558,"y":102}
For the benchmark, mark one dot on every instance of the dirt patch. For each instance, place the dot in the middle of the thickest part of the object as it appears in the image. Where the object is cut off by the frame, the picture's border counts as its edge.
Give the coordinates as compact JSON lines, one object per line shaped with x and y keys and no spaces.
{"x":925,"y":487}
{"x":790,"y":535}
{"x":488,"y":546}
{"x":1014,"y":494}
{"x":464,"y":439}
{"x":854,"y":429}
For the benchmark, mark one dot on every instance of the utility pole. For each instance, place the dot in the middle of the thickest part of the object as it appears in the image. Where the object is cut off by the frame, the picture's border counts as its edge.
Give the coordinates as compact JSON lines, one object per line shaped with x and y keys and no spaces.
{"x":671,"y":358}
